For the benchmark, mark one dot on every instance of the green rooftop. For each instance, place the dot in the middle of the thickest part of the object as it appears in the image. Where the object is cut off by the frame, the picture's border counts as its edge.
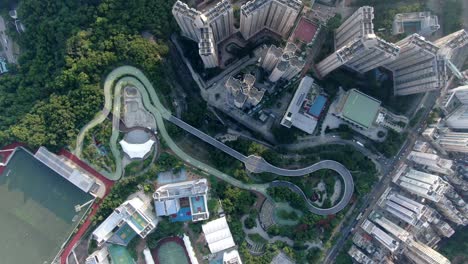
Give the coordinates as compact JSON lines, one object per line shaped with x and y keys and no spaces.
{"x":360,"y":108}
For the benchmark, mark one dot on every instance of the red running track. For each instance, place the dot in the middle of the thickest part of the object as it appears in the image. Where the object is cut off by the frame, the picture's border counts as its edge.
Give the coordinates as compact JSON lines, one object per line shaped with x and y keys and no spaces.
{"x":6,"y":155}
{"x":108,"y":183}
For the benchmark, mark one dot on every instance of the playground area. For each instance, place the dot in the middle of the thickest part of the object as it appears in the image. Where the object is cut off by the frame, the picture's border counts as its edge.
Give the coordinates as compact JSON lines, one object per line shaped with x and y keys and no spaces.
{"x":37,"y":210}
{"x":170,"y":250}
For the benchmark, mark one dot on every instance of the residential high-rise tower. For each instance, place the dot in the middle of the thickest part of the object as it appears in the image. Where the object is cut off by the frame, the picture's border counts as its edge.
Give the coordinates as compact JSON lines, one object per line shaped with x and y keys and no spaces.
{"x":276,"y":15}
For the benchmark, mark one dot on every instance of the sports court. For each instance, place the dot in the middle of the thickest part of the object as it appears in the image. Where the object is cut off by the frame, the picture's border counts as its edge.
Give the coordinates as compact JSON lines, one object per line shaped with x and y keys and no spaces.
{"x":170,"y":251}
{"x":120,"y":255}
{"x":37,"y":210}
{"x":305,"y":31}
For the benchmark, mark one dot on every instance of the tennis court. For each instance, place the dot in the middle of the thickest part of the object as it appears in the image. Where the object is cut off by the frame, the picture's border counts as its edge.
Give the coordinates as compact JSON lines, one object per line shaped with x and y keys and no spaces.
{"x":37,"y":210}
{"x":120,"y":255}
{"x":171,"y":251}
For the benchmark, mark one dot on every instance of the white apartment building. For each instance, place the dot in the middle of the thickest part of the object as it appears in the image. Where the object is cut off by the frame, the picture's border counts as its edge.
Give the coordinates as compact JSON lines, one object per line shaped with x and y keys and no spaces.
{"x":357,"y":47}
{"x":271,"y":57}
{"x":208,"y":28}
{"x":418,"y":68}
{"x":282,"y":63}
{"x":221,"y":20}
{"x":207,"y":48}
{"x":185,"y":18}
{"x":278,"y":16}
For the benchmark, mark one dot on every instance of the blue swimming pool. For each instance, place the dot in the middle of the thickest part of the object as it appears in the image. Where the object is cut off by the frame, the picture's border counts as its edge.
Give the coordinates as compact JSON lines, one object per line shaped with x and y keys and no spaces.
{"x":317,"y":107}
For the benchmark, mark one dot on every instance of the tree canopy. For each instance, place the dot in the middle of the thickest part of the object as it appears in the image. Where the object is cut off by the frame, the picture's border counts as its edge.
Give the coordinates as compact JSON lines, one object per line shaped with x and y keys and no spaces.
{"x":68,"y":48}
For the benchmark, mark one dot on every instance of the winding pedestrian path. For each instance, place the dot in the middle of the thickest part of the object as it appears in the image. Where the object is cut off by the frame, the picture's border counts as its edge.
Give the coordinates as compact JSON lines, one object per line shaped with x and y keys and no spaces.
{"x":128,"y":75}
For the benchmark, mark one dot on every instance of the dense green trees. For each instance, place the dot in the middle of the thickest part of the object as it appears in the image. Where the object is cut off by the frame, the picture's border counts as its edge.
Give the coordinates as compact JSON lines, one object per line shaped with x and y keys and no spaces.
{"x":455,"y":247}
{"x":283,"y":194}
{"x":452,"y":11}
{"x":68,"y":48}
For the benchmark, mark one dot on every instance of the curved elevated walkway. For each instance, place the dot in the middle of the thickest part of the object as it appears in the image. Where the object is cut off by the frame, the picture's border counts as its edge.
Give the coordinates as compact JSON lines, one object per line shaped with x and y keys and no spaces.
{"x":131,"y":76}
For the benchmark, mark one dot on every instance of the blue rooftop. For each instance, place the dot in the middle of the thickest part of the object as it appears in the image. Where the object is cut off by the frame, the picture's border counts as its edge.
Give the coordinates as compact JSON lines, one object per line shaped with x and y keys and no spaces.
{"x":317,"y":107}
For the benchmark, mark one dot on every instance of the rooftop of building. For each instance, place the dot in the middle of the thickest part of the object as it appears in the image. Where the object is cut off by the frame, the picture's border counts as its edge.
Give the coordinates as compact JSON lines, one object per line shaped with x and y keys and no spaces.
{"x":360,"y":108}
{"x":218,"y":235}
{"x":133,"y":215}
{"x":181,"y":189}
{"x":253,"y":5}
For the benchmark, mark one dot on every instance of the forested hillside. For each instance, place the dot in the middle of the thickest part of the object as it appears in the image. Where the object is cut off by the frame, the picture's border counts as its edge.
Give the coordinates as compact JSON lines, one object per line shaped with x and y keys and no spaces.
{"x":67,"y":49}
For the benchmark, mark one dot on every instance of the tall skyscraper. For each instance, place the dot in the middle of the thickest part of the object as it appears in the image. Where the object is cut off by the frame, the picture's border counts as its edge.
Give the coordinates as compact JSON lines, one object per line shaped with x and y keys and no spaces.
{"x":208,"y":29}
{"x":454,"y":47}
{"x":207,"y":48}
{"x":185,"y":18}
{"x":276,"y":15}
{"x":358,"y":25}
{"x":357,"y":46}
{"x":221,"y":20}
{"x":282,"y":63}
{"x":418,"y":68}
{"x":271,"y":58}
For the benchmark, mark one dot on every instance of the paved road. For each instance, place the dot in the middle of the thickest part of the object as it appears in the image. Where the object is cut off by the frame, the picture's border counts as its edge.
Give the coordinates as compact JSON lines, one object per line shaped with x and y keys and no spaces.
{"x":6,"y":42}
{"x":127,"y":75}
{"x":371,"y":199}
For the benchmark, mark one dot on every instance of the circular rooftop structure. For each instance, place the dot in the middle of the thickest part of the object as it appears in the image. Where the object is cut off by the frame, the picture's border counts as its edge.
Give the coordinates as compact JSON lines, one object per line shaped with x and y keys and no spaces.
{"x":137,"y":143}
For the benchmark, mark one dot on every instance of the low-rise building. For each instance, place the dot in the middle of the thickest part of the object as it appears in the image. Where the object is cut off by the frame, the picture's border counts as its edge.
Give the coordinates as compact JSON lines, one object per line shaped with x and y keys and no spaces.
{"x":100,"y":256}
{"x":133,"y":217}
{"x":406,"y":209}
{"x":363,"y":112}
{"x":306,"y":107}
{"x":423,"y":23}
{"x":85,"y":182}
{"x":231,"y":257}
{"x":449,"y":140}
{"x":359,"y":256}
{"x":381,"y":236}
{"x":183,"y":201}
{"x":433,"y":188}
{"x":218,"y":235}
{"x":432,"y":162}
